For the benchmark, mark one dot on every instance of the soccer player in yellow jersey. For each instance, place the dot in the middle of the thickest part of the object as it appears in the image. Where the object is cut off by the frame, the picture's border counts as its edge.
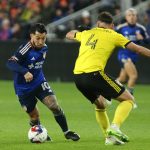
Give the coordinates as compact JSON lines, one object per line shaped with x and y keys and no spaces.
{"x":96,"y":47}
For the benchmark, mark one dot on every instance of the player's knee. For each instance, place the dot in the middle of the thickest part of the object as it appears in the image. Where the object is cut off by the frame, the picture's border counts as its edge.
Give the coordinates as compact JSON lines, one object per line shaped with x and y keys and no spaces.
{"x":53,"y":106}
{"x":99,"y":103}
{"x":98,"y":106}
{"x":134,"y":77}
{"x":51,"y":103}
{"x":102,"y":103}
{"x":131,"y":99}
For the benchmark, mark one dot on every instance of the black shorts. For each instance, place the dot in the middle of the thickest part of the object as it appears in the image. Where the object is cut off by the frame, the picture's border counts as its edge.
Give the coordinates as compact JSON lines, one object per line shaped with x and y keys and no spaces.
{"x":29,"y":100}
{"x":94,"y":84}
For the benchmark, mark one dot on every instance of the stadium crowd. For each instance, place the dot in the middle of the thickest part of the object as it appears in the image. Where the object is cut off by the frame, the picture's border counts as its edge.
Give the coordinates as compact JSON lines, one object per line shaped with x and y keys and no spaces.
{"x":17,"y":15}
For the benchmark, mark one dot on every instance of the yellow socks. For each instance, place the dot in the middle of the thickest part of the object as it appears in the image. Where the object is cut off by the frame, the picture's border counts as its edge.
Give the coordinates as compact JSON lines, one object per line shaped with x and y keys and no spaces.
{"x":122,"y":112}
{"x":102,"y":119}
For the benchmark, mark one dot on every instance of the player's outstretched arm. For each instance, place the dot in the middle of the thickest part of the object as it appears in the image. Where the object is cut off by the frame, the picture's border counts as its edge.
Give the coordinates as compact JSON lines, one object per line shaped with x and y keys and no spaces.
{"x":14,"y":66}
{"x":71,"y":35}
{"x":138,"y":49}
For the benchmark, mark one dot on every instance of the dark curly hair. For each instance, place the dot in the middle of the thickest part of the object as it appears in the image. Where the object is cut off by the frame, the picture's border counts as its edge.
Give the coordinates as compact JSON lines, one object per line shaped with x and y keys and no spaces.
{"x":105,"y":17}
{"x":37,"y":27}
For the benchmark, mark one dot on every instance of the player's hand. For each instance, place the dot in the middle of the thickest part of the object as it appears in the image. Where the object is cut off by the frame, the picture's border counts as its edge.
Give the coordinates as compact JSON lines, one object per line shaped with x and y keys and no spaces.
{"x":139,"y":36}
{"x":28,"y":77}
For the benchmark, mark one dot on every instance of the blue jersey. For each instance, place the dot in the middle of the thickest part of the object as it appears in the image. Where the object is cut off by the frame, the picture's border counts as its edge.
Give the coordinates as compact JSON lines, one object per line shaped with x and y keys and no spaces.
{"x":130,"y":31}
{"x":31,"y":59}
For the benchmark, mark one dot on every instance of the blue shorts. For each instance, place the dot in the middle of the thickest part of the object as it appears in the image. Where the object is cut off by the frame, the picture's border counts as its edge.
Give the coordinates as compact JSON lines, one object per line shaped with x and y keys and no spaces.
{"x":123,"y":57}
{"x":29,"y":100}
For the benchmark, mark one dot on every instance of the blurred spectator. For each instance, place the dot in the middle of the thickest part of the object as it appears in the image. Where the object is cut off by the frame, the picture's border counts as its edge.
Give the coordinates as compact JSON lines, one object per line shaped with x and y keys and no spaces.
{"x":14,"y":15}
{"x":117,"y":10}
{"x":47,"y":12}
{"x":58,"y":14}
{"x":63,"y":5}
{"x":79,"y":4}
{"x":147,"y":19}
{"x":32,"y":9}
{"x":4,"y":5}
{"x":22,"y":13}
{"x":2,"y":16}
{"x":7,"y":32}
{"x":111,"y":6}
{"x":85,"y":19}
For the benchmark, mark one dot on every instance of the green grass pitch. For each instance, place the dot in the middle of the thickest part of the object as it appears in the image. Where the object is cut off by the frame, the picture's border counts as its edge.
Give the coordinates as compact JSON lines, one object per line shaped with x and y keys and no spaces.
{"x":81,"y":118}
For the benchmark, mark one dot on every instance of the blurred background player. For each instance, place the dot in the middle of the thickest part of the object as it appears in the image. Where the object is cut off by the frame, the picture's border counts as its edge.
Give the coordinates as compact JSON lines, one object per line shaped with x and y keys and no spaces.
{"x":136,"y":33}
{"x":96,"y":47}
{"x":30,"y":83}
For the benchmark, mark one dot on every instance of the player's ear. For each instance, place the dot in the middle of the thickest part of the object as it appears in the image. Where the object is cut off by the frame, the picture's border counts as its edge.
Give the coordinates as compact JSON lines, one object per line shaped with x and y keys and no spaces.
{"x":98,"y":23}
{"x":112,"y":26}
{"x":31,"y":35}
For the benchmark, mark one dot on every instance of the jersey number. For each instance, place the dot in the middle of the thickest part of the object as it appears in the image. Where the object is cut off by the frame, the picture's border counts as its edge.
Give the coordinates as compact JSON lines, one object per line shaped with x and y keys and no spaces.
{"x":45,"y":86}
{"x":90,"y":42}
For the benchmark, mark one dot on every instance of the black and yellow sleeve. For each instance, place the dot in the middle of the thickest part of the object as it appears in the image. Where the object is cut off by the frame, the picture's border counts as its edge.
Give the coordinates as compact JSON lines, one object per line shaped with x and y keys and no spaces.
{"x":121,"y":41}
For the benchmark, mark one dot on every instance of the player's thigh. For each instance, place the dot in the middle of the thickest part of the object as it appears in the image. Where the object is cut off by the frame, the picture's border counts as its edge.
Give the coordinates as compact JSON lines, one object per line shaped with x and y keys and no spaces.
{"x":46,"y":95}
{"x":130,"y":68}
{"x":28,"y":102}
{"x":110,"y":87}
{"x":94,"y":84}
{"x":86,"y":83}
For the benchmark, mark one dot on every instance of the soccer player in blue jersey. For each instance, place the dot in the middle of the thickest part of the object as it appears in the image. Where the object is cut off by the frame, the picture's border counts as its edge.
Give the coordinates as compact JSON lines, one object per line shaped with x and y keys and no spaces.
{"x":30,"y":83}
{"x":136,"y":33}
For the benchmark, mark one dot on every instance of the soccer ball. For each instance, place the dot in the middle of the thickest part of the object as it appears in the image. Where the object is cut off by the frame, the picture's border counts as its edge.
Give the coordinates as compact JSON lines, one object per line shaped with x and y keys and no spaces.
{"x":37,"y":134}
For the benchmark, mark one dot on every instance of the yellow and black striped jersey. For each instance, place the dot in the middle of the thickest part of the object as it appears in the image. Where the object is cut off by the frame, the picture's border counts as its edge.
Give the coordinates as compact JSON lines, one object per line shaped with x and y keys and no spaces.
{"x":96,"y":47}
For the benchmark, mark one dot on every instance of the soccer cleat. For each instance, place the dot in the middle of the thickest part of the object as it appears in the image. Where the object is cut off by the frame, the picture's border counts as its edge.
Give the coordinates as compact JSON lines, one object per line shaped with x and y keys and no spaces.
{"x":135,"y":105}
{"x":48,"y":138}
{"x":72,"y":135}
{"x":112,"y":140}
{"x":117,"y":133}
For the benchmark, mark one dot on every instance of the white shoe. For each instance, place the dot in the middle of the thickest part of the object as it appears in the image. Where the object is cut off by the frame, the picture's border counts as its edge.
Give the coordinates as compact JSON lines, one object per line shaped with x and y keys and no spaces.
{"x":135,"y":105}
{"x":112,"y":140}
{"x":118,"y":134}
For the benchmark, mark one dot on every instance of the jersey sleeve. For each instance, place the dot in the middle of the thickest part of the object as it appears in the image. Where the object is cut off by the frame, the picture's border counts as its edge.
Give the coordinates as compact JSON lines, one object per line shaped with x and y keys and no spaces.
{"x":20,"y":54}
{"x":17,"y":56}
{"x":14,"y":63}
{"x":144,"y":32}
{"x":78,"y":36}
{"x":121,"y":41}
